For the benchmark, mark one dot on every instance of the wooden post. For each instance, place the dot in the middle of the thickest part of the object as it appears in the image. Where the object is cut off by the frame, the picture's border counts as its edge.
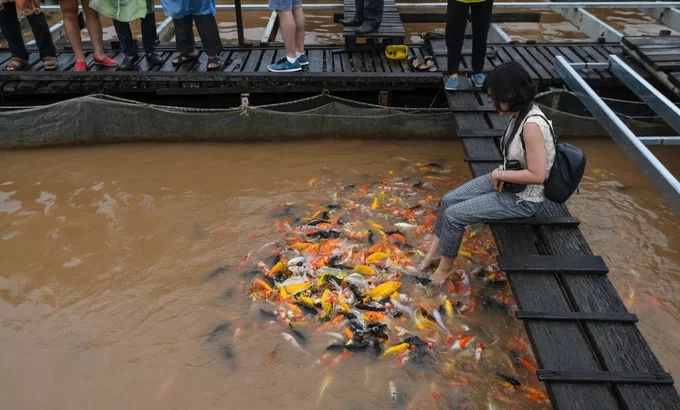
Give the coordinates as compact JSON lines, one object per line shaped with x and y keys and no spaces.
{"x":384,"y":98}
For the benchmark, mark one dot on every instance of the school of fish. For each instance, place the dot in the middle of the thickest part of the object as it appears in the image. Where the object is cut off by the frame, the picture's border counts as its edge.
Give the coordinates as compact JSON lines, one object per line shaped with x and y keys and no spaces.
{"x":345,"y":268}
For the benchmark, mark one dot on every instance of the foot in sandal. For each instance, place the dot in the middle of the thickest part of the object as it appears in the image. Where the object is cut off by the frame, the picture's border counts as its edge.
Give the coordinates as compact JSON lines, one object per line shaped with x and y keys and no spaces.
{"x":16,"y":64}
{"x":185,"y":58}
{"x":214,"y":63}
{"x":50,"y":63}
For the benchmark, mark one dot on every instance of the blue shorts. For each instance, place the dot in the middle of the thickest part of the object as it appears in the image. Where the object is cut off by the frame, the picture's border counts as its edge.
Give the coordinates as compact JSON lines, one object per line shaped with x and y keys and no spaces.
{"x":283,"y":5}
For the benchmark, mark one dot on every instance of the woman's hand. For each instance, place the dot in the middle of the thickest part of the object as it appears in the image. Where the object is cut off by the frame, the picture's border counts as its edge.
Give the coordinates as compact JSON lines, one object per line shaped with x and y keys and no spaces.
{"x":495,"y":179}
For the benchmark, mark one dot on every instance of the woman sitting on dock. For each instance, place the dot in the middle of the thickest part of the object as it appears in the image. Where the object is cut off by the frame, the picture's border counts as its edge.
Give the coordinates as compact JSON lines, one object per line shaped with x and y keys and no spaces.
{"x":456,"y":21}
{"x":11,"y":29}
{"x":69,"y":10}
{"x":502,"y":193}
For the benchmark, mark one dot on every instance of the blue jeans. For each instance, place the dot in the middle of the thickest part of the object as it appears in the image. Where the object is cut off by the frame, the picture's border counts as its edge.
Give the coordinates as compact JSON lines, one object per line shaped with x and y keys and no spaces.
{"x":474,"y":202}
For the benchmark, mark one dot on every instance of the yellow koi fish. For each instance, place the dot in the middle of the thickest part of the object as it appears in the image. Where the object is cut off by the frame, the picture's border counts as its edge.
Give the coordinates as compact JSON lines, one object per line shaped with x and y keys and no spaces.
{"x":377,"y":257}
{"x":384,"y":290}
{"x":365,"y":270}
{"x":296,"y":288}
{"x":395,"y":349}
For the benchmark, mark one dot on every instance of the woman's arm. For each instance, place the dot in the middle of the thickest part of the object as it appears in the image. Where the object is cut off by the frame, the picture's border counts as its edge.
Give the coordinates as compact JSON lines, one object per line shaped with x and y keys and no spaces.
{"x":535,"y":151}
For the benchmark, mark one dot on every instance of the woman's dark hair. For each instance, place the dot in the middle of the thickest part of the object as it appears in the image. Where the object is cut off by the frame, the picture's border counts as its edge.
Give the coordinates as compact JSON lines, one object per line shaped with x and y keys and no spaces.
{"x":510,"y":83}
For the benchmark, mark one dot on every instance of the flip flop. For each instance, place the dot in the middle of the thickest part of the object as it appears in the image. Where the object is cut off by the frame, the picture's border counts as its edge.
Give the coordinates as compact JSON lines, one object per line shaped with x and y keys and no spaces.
{"x":50,"y":63}
{"x":185,"y":58}
{"x":16,"y":64}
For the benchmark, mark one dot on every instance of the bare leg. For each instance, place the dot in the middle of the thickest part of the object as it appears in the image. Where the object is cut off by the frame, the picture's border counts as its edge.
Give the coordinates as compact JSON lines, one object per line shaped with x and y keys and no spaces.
{"x":94,"y":28}
{"x":69,"y":10}
{"x":431,"y":256}
{"x":299,"y":17}
{"x":288,"y":31}
{"x":444,"y":270}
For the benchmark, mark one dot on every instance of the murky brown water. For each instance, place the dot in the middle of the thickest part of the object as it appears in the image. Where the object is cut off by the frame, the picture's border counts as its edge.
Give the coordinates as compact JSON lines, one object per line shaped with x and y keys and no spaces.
{"x":105,"y":252}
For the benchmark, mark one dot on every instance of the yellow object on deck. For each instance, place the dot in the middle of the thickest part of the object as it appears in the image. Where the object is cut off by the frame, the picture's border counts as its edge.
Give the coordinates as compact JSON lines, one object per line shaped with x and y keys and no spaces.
{"x":396,"y":51}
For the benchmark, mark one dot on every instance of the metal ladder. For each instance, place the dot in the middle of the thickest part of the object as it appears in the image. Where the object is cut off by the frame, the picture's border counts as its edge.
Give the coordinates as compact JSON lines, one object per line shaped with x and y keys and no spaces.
{"x":633,"y":146}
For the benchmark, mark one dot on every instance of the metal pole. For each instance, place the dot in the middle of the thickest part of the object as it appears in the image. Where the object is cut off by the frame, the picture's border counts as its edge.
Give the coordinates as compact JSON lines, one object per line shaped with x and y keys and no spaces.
{"x":650,"y":95}
{"x":660,"y":140}
{"x":442,"y":6}
{"x":239,"y":23}
{"x":654,"y":171}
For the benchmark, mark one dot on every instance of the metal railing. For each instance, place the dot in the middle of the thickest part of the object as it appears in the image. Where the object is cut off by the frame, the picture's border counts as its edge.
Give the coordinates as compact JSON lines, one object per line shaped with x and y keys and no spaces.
{"x":633,"y":146}
{"x":442,"y":6}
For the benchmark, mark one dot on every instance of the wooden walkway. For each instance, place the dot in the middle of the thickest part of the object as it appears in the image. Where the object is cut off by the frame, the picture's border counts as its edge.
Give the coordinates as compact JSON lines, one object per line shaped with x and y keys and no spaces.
{"x":335,"y":69}
{"x":661,"y":53}
{"x":590,"y":352}
{"x":391,"y":30}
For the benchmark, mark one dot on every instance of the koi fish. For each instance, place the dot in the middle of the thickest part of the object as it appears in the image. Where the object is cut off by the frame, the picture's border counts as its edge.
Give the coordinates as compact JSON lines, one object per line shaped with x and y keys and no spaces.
{"x":324,"y":385}
{"x":291,"y":340}
{"x":461,"y":343}
{"x":377,"y":257}
{"x":393,"y":391}
{"x":364,"y":270}
{"x":396,"y":349}
{"x":478,"y":353}
{"x":383,"y":290}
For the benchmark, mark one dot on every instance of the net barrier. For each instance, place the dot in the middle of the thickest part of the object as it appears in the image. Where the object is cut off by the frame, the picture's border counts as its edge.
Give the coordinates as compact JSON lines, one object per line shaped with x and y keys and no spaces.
{"x":97,"y":119}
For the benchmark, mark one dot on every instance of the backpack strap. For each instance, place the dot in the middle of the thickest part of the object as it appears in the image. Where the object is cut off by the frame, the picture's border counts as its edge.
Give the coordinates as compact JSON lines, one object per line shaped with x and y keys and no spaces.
{"x":521,"y":132}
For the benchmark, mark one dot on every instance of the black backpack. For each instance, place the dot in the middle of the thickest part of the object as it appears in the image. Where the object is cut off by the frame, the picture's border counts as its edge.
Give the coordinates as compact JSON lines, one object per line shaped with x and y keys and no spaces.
{"x":567,"y":169}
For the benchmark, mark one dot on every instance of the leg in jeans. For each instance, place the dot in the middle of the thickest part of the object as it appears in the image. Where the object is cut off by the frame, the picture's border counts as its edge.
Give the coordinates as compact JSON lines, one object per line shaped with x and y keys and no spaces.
{"x":480,"y":17}
{"x":471,"y":189}
{"x":456,"y":20}
{"x":127,"y":41}
{"x":489,"y":205}
{"x":42,"y":35}
{"x":210,"y":35}
{"x":149,"y":35}
{"x":184,"y":34}
{"x":359,"y":12}
{"x":299,"y":17}
{"x":9,"y":24}
{"x":373,"y":11}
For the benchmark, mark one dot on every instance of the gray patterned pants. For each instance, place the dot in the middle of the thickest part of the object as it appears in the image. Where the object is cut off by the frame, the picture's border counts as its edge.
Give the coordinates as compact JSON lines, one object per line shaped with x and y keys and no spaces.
{"x":474,"y":202}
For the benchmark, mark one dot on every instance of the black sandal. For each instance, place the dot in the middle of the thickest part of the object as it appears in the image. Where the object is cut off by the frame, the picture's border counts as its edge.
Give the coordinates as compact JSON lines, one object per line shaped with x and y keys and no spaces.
{"x":214,"y":63}
{"x":50,"y":63}
{"x":16,"y":64}
{"x":429,"y":64}
{"x":185,"y":58}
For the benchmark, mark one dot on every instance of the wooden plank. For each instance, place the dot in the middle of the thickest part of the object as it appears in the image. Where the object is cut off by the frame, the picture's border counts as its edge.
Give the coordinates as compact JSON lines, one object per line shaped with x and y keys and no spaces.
{"x":377,"y":60}
{"x":315,"y":57}
{"x":268,"y":57}
{"x":553,"y":264}
{"x":531,"y":61}
{"x":606,"y":377}
{"x":480,"y":150}
{"x":565,"y":220}
{"x":514,"y":55}
{"x":357,"y":62}
{"x":576,"y":316}
{"x":479,"y":133}
{"x":252,"y":61}
{"x":347,"y":66}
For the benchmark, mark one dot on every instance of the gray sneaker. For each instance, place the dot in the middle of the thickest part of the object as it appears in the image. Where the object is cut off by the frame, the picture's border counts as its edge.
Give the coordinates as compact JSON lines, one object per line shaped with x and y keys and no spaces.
{"x":478,"y":79}
{"x":303,"y":60}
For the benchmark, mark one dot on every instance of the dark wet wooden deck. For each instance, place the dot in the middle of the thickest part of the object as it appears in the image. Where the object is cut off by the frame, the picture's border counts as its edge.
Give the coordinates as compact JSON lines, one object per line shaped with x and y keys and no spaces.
{"x":660,"y":53}
{"x":331,"y":68}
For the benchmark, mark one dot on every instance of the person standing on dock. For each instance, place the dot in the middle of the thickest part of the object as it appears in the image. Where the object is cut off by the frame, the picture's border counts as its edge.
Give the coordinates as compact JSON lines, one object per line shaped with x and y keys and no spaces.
{"x":129,"y":45}
{"x":292,"y":23}
{"x":69,"y":11}
{"x":506,"y":192}
{"x":367,"y":16}
{"x":11,"y":29}
{"x":456,"y":21}
{"x":184,"y":14}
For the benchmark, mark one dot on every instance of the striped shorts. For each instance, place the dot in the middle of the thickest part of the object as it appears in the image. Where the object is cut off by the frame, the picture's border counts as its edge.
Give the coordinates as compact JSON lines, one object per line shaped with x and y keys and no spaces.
{"x":473,"y":202}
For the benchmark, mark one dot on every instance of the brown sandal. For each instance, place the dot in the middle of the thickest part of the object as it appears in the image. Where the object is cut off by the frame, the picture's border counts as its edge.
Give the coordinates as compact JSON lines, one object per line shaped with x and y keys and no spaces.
{"x":415,"y":64}
{"x":16,"y":64}
{"x":429,"y":64}
{"x":50,"y":63}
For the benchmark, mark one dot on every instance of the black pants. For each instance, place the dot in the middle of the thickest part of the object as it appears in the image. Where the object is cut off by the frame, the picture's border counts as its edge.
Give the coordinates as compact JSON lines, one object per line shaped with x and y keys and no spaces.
{"x":207,"y":30}
{"x":456,"y":20}
{"x":9,"y":24}
{"x":127,"y":41}
{"x":370,"y":11}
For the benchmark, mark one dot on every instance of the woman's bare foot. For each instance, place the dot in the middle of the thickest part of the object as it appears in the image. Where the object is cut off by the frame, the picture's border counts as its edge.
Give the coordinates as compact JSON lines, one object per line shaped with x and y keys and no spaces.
{"x":431,"y":256}
{"x":444,"y":270}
